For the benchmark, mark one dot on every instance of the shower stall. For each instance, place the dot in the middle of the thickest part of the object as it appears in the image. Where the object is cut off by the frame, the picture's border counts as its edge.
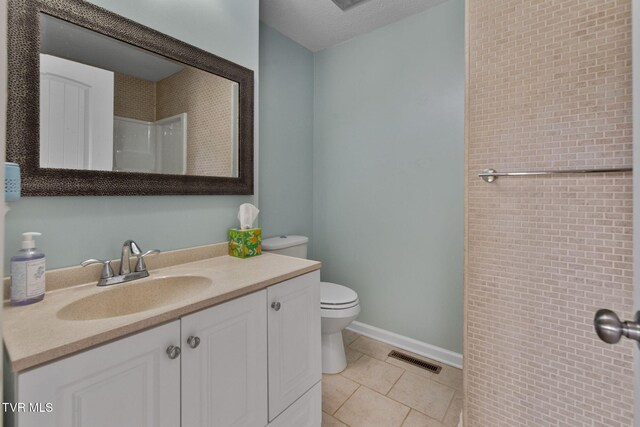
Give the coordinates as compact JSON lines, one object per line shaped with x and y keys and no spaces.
{"x":155,"y":147}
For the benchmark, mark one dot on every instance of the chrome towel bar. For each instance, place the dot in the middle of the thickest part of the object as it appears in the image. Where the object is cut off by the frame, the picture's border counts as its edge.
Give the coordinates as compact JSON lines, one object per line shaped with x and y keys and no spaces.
{"x":490,"y":175}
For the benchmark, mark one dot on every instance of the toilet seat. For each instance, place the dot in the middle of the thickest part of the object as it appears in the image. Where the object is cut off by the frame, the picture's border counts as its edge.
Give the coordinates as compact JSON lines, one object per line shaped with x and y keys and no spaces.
{"x":337,"y":297}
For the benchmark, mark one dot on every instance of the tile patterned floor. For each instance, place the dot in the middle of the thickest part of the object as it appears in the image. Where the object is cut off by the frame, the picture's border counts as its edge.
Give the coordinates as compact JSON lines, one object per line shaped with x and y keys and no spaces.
{"x":376,"y":391}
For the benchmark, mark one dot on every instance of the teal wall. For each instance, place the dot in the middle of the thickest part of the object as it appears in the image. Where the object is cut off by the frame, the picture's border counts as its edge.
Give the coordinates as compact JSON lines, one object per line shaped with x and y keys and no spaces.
{"x":76,"y":228}
{"x":286,"y":135}
{"x":362,"y":151}
{"x":388,"y":169}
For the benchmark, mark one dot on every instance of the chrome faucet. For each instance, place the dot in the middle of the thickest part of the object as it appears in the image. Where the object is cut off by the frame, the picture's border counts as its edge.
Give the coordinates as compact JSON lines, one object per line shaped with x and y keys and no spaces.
{"x":129,"y":248}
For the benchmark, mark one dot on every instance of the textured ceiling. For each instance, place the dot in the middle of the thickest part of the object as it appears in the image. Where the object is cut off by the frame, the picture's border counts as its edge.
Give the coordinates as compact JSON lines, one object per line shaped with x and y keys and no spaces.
{"x":66,"y":40}
{"x":318,"y":24}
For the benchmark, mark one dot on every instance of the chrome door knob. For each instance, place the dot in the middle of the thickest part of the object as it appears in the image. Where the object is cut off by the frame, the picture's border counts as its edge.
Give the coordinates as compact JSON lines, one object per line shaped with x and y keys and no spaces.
{"x":610,"y":328}
{"x":276,"y":306}
{"x":193,"y":341}
{"x":173,"y":351}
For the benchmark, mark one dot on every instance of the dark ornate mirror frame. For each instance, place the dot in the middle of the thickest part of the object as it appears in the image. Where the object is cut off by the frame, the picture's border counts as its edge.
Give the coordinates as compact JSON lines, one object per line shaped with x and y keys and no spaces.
{"x":23,"y":112}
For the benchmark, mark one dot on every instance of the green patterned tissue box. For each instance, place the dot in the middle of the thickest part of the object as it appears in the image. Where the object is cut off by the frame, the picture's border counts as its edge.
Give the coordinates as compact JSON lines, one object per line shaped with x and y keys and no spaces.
{"x":245,"y":243}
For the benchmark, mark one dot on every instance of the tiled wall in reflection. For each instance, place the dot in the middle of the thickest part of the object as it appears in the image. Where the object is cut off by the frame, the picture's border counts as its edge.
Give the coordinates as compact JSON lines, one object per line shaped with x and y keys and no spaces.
{"x":134,"y":98}
{"x":207,"y":100}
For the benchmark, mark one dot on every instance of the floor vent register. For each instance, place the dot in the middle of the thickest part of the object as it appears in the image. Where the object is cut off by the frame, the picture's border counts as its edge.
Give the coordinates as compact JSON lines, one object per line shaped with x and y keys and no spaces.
{"x":416,"y":362}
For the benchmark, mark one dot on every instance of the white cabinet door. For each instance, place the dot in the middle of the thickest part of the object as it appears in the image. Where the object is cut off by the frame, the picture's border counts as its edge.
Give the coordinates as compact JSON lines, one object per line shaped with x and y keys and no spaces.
{"x":224,"y":379}
{"x":294,"y":340}
{"x":305,"y":412}
{"x":130,"y":382}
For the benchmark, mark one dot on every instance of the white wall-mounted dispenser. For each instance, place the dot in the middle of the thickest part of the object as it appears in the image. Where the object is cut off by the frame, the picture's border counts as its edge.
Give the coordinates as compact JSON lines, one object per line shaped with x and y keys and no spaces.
{"x":11,"y":182}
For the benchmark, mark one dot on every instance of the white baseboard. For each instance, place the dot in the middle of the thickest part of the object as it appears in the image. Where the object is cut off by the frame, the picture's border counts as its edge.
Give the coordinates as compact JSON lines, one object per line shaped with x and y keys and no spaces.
{"x":423,"y":349}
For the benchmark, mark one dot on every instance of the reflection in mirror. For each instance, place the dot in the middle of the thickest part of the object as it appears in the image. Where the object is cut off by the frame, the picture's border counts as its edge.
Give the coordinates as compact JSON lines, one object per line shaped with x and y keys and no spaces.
{"x":107,"y":105}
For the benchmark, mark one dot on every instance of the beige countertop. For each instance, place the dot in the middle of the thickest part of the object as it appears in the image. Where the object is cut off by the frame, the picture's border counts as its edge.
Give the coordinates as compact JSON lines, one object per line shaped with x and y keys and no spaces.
{"x":34,"y":334}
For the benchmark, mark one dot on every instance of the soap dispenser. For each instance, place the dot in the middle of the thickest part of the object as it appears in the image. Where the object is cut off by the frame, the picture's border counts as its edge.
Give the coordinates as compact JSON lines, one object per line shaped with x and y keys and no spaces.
{"x":27,"y":272}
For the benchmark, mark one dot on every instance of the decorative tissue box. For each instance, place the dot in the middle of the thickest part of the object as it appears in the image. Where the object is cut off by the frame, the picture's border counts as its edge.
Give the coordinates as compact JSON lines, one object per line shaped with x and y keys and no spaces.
{"x":245,"y":243}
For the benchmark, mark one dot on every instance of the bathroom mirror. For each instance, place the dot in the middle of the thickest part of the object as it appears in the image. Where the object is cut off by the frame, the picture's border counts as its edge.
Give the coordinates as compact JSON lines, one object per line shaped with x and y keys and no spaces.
{"x":101,"y":105}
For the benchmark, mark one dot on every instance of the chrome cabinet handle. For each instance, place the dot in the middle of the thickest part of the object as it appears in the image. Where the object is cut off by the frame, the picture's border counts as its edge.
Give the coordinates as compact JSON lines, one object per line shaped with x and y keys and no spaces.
{"x":276,"y":306}
{"x":610,"y":328}
{"x":193,"y":341}
{"x":173,"y":351}
{"x":107,"y":271}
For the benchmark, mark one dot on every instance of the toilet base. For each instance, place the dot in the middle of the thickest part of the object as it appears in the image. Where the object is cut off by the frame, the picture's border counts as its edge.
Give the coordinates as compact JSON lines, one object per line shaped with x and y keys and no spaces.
{"x":334,"y":359}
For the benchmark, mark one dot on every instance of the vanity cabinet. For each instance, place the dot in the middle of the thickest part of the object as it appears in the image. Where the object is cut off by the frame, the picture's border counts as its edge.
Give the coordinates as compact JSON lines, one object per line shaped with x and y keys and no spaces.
{"x":224,"y":364}
{"x":304,"y":412}
{"x":129,"y":382}
{"x":248,"y":362}
{"x":295,"y":363}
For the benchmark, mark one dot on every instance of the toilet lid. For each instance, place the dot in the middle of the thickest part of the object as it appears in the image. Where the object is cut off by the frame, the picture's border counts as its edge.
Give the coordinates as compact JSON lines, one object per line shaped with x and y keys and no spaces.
{"x":334,"y":295}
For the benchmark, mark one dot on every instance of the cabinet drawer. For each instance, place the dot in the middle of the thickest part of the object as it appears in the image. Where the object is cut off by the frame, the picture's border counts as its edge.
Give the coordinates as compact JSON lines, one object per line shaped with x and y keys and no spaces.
{"x":305,"y":412}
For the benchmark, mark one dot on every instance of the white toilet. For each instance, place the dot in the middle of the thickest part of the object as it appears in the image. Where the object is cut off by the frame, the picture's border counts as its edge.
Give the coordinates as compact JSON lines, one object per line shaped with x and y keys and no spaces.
{"x":339,"y":305}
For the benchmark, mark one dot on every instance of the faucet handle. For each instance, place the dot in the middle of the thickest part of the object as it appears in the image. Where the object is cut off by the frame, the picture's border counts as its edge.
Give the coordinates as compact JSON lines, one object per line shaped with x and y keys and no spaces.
{"x":107,"y":271}
{"x":140,"y":265}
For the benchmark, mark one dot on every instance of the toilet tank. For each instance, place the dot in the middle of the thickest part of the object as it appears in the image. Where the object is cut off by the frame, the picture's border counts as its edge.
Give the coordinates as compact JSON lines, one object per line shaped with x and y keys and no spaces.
{"x":290,"y":245}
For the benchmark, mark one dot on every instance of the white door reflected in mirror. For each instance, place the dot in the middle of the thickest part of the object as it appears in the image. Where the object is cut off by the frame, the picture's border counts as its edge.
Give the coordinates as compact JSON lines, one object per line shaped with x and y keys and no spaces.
{"x":76,"y":115}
